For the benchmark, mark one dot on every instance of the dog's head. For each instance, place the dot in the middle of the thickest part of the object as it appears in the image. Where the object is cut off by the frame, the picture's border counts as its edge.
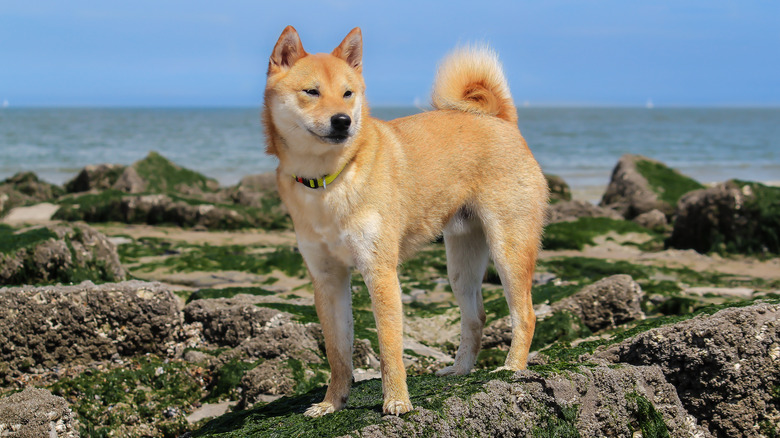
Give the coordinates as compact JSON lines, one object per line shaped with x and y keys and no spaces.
{"x":314,"y":102}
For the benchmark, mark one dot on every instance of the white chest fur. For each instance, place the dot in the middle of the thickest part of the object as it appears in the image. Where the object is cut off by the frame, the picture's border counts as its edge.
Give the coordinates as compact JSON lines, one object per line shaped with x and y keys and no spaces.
{"x":335,"y":232}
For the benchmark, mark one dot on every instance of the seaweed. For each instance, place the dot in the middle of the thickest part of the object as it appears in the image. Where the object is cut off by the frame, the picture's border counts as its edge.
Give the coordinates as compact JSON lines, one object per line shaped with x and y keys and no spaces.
{"x":577,"y":234}
{"x":162,"y":176}
{"x":561,"y":326}
{"x":228,"y":292}
{"x":761,"y":235}
{"x":12,"y":241}
{"x":139,"y":392}
{"x":233,"y":258}
{"x":563,"y":351}
{"x":667,"y":183}
{"x":649,"y":420}
{"x":227,"y":379}
{"x":302,"y":313}
{"x":588,"y":270}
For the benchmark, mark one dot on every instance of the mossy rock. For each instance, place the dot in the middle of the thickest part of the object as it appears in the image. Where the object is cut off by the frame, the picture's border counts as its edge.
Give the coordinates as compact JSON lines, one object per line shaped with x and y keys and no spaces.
{"x":60,"y":254}
{"x":527,"y":403}
{"x":149,"y":396}
{"x":25,"y":188}
{"x":159,"y":209}
{"x":732,"y":217}
{"x":160,"y":175}
{"x":95,"y":177}
{"x":640,"y":184}
{"x":564,"y":352}
{"x":559,"y":189}
{"x":669,"y":184}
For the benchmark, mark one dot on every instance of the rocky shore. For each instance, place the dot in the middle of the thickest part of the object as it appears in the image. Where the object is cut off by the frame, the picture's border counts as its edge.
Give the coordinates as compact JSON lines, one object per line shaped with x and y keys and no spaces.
{"x":146,"y":300}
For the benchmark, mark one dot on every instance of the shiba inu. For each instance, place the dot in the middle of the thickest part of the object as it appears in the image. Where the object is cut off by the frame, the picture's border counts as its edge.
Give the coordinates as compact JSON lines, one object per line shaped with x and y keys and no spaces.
{"x":365,"y":194}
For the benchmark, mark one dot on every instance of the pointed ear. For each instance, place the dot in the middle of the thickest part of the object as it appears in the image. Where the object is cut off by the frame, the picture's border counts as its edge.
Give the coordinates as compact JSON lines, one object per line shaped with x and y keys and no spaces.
{"x":287,"y":50}
{"x":351,"y":49}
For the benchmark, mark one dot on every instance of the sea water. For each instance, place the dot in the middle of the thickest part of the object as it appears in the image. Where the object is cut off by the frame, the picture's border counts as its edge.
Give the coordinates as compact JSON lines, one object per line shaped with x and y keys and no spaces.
{"x":581,"y":145}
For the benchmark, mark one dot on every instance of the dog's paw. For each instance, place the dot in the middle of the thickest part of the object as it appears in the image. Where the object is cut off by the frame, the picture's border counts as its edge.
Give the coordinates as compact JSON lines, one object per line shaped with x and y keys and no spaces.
{"x":397,"y":407}
{"x":504,"y":368}
{"x":319,"y":409}
{"x":452,"y":371}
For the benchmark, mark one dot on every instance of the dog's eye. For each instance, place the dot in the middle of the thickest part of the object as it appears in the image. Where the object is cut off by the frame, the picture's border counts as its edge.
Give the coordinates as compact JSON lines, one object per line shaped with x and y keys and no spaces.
{"x":347,"y":93}
{"x":312,"y":92}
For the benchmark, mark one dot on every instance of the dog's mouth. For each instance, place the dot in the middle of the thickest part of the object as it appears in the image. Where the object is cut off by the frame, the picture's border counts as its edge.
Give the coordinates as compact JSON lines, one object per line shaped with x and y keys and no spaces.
{"x":332,"y":138}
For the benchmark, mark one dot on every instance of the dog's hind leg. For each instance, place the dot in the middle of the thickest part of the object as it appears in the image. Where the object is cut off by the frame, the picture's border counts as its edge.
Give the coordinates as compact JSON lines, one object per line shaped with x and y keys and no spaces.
{"x":514,"y":246}
{"x":333,"y":300}
{"x":467,"y":258}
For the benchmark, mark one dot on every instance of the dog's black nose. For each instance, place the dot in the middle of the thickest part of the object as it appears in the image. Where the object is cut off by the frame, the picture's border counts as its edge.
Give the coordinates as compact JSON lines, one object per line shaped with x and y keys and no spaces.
{"x":340,"y":122}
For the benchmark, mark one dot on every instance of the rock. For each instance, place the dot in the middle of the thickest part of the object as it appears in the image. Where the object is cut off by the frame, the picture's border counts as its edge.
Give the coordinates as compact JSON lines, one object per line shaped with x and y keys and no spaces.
{"x":130,"y":181}
{"x":585,"y":401}
{"x":162,"y":176}
{"x":95,"y":178}
{"x":640,"y":184}
{"x":363,"y":355}
{"x":607,"y":303}
{"x":497,"y":334}
{"x":733,"y":216}
{"x":60,"y":253}
{"x":567,"y":211}
{"x":272,"y":377}
{"x":154,"y":209}
{"x":263,"y":182}
{"x":558,"y":188}
{"x":588,"y":402}
{"x":726,"y":367}
{"x":259,"y":191}
{"x":37,"y":413}
{"x":653,"y":220}
{"x":231,"y":321}
{"x":52,"y":326}
{"x":283,"y":338}
{"x":25,"y":188}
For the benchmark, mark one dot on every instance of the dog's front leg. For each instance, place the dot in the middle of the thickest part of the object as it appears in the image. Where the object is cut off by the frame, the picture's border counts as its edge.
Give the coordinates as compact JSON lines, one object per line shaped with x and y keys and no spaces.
{"x":388,"y":314}
{"x":333,"y":300}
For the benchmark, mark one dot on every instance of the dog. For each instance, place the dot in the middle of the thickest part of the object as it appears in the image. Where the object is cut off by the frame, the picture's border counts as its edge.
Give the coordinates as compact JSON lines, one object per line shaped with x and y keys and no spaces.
{"x":366,"y":194}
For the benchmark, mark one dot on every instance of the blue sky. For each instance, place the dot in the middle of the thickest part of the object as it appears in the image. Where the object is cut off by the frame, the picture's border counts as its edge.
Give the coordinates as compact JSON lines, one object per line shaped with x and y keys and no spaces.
{"x":555,"y":52}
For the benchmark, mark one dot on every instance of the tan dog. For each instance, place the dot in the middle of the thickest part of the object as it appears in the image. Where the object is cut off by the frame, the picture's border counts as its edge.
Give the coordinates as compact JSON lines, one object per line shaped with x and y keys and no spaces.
{"x":367,"y":194}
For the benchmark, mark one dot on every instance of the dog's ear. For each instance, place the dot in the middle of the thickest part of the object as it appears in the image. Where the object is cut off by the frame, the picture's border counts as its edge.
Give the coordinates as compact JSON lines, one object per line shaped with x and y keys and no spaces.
{"x":287,"y":50}
{"x":351,"y":49}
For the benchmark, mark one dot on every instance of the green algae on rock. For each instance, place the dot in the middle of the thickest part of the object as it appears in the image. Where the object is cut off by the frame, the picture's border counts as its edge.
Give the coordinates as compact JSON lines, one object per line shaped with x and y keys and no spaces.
{"x":148,"y":396}
{"x":639,"y":185}
{"x":577,"y":234}
{"x":158,"y":209}
{"x":481,"y":404}
{"x":732,"y":217}
{"x":163,"y":176}
{"x":57,"y":254}
{"x":669,"y":184}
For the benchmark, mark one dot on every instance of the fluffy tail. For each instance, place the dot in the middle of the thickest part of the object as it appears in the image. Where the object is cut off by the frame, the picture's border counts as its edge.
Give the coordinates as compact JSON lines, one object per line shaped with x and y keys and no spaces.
{"x":471,"y":79}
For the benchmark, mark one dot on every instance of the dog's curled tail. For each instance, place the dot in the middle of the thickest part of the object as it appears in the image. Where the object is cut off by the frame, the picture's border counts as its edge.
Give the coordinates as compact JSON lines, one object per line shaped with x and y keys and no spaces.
{"x":471,"y":79}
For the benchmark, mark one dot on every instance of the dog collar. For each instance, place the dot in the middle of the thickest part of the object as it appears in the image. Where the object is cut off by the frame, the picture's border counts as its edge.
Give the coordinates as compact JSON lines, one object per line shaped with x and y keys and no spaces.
{"x":320,"y":182}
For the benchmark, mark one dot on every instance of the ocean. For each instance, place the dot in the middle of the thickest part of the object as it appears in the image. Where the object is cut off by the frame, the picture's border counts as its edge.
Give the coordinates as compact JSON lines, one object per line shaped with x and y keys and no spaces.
{"x":581,"y":145}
